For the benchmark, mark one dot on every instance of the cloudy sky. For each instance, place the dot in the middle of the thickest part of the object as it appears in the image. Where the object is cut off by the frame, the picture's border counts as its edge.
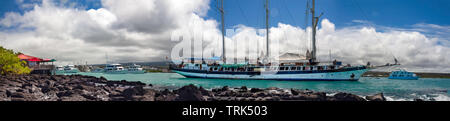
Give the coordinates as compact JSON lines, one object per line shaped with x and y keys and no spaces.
{"x":76,"y":31}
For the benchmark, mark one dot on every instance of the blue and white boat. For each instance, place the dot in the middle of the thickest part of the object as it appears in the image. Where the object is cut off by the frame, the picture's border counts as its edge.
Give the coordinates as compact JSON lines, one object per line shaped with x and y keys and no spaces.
{"x":66,"y":69}
{"x":59,"y":69}
{"x":300,"y":69}
{"x":70,"y":69}
{"x":403,"y":75}
{"x":261,"y":72}
{"x":135,"y":69}
{"x":115,"y":69}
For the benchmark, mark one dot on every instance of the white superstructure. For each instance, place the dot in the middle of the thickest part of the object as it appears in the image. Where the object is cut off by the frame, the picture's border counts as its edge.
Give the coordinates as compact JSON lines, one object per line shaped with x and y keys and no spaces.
{"x":115,"y":69}
{"x":135,"y":69}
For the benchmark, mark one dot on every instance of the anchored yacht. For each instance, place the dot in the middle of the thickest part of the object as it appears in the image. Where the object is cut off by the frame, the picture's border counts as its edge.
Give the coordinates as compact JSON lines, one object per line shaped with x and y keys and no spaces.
{"x":115,"y":69}
{"x":403,"y":74}
{"x":306,"y":68}
{"x":135,"y":69}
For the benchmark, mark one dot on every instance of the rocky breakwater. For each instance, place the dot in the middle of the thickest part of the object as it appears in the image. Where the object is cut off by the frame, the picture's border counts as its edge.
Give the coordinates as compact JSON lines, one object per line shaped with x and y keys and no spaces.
{"x":277,"y":94}
{"x":68,"y":88}
{"x":89,"y":88}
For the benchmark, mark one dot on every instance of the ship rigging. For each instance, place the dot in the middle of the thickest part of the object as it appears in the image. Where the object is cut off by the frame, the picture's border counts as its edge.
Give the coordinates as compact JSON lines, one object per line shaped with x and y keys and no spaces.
{"x":288,"y":67}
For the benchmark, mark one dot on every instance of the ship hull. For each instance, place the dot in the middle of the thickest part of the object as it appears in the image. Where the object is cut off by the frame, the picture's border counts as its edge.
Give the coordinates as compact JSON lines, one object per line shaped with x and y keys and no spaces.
{"x":115,"y":72}
{"x":136,"y":72}
{"x":404,"y":78}
{"x":66,"y":71}
{"x":347,"y":75}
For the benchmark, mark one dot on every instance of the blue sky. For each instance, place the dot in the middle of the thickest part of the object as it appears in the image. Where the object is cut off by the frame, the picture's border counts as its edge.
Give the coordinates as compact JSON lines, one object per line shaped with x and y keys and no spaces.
{"x":392,"y":13}
{"x":15,"y":5}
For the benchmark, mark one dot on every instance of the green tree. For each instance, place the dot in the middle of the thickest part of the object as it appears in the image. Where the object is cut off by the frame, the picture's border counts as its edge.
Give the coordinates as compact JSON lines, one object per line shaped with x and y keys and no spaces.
{"x":11,"y":64}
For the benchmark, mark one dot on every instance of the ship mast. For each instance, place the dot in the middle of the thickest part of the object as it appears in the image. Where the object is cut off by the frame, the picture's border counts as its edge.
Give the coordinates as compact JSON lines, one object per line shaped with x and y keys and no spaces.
{"x":315,"y":20}
{"x":267,"y":29}
{"x":223,"y":31}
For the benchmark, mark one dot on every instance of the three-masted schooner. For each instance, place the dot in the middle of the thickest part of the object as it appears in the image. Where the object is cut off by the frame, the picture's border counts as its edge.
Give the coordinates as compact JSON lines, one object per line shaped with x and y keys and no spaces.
{"x":307,"y":69}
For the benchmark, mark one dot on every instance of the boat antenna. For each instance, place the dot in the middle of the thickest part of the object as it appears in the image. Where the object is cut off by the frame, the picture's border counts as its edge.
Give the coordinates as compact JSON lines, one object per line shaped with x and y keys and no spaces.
{"x":106,"y":56}
{"x":330,"y":55}
{"x":223,"y":31}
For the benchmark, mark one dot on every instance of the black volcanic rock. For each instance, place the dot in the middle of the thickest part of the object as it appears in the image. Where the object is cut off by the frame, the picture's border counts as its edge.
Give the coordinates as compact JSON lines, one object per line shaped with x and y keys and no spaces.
{"x":47,"y":89}
{"x":129,"y":92}
{"x":17,"y":95}
{"x":64,"y":94}
{"x":75,"y":97}
{"x":89,"y":88}
{"x":102,"y":78}
{"x":260,"y":94}
{"x":253,"y":90}
{"x":243,"y":89}
{"x":55,"y":78}
{"x":341,"y":96}
{"x":81,"y":87}
{"x":216,"y":90}
{"x":148,"y":96}
{"x":315,"y":96}
{"x":205,"y":92}
{"x":376,"y":97}
{"x":168,"y":97}
{"x":225,"y":88}
{"x":189,"y":93}
{"x":272,"y":88}
{"x":166,"y":92}
{"x":295,"y":92}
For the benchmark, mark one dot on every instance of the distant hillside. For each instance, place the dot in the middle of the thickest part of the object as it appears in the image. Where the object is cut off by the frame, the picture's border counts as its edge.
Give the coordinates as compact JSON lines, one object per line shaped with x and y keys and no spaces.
{"x":154,"y":64}
{"x":421,"y":75}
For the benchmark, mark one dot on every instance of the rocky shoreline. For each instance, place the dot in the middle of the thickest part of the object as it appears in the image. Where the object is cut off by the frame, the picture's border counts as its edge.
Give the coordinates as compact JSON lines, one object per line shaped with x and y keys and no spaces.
{"x":89,"y":88}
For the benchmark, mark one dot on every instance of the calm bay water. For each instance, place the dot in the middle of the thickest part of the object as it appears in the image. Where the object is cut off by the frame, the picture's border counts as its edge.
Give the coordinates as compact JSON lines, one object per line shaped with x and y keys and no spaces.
{"x":424,"y":88}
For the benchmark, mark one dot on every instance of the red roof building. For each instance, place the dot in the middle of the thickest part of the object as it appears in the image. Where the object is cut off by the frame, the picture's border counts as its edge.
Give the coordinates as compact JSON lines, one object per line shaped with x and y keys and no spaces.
{"x":37,"y":65}
{"x":29,"y":58}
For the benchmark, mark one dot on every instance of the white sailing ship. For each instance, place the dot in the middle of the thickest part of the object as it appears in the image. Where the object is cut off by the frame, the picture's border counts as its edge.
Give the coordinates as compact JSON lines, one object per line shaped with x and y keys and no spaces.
{"x":290,"y":67}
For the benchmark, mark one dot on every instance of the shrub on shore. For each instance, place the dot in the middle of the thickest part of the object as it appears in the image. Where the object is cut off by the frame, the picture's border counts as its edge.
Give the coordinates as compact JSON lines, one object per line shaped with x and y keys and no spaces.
{"x":11,"y":64}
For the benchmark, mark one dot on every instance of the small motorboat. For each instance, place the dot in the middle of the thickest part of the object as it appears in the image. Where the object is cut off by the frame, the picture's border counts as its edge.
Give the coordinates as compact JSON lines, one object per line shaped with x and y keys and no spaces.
{"x":403,"y":74}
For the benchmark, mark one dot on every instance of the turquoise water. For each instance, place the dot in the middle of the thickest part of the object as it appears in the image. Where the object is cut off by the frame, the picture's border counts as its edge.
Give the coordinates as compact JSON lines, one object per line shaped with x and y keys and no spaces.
{"x":424,"y":88}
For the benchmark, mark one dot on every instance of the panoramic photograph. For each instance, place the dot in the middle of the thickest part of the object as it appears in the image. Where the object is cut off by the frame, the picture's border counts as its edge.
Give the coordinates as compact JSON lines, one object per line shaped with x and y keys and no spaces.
{"x":224,"y":50}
